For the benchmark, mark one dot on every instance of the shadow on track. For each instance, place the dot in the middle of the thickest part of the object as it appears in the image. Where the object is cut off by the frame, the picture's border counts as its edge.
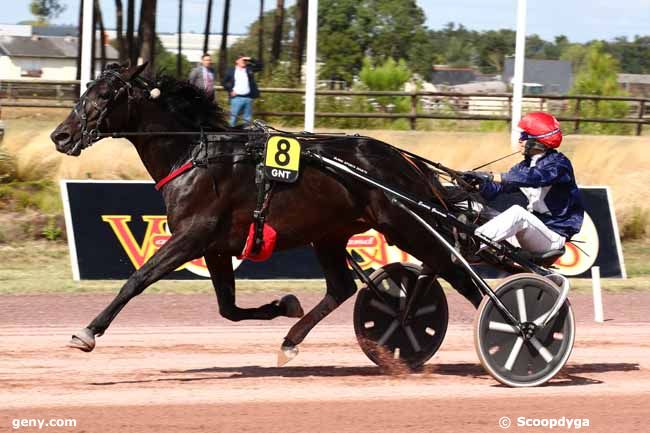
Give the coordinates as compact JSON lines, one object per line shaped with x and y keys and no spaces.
{"x":567,"y":377}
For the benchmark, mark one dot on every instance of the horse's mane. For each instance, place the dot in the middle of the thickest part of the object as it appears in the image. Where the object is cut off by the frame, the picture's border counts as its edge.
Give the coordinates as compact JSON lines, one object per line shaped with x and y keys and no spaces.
{"x":189,"y":104}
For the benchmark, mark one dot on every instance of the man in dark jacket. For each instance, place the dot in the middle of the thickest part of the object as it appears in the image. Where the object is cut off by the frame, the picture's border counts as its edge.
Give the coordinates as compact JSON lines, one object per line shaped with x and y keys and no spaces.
{"x":203,"y":76}
{"x":555,"y":211}
{"x":240,"y":84}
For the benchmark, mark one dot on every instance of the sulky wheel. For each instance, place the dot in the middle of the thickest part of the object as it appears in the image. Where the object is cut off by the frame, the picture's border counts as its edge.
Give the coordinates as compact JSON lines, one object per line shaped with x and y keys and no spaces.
{"x":519,"y":360}
{"x":383,"y":334}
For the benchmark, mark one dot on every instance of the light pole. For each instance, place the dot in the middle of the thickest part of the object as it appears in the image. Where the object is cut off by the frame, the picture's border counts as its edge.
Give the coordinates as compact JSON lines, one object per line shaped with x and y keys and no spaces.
{"x":310,"y":66}
{"x":518,"y":76}
{"x":86,"y":35}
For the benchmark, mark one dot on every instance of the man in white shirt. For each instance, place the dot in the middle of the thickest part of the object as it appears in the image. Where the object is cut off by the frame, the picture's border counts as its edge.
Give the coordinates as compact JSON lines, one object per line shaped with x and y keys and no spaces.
{"x":240,"y":84}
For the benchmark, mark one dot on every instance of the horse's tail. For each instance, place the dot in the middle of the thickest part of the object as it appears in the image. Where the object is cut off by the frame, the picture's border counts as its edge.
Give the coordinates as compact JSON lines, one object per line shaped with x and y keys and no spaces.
{"x":448,"y":196}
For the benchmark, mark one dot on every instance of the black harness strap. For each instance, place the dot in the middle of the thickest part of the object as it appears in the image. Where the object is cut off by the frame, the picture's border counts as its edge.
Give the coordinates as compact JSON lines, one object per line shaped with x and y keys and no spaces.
{"x":263,"y":184}
{"x":262,"y":202}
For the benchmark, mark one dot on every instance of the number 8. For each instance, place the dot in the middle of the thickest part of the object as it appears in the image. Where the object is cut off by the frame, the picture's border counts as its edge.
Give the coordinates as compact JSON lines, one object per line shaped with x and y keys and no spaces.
{"x":282,"y":156}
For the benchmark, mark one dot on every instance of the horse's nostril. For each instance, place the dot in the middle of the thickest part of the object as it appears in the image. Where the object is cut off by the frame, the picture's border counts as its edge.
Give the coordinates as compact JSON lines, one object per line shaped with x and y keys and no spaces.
{"x":62,"y":137}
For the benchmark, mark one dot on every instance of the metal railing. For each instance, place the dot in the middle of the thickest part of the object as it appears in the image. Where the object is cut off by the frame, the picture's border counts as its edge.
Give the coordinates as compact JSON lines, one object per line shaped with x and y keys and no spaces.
{"x":412,"y":106}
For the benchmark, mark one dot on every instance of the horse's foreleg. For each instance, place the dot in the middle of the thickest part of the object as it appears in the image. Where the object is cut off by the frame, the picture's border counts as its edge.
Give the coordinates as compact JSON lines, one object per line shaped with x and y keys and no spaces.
{"x":340,"y":287}
{"x":178,"y":250}
{"x":223,"y":280}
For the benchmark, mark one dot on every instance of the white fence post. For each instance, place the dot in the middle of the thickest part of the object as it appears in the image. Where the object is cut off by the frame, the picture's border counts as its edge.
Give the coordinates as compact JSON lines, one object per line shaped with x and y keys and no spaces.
{"x":598,"y":295}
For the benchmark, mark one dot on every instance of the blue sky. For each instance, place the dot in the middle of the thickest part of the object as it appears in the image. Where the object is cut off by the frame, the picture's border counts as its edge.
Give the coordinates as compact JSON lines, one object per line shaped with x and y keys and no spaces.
{"x":580,"y":20}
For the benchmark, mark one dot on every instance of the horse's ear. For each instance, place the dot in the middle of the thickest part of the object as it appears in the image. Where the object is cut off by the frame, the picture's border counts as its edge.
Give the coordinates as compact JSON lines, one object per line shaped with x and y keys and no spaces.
{"x":136,"y":70}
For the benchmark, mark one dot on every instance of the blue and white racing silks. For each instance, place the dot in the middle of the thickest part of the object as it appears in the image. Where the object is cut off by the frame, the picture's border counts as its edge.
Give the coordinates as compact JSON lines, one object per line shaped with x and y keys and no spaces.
{"x":547,"y":180}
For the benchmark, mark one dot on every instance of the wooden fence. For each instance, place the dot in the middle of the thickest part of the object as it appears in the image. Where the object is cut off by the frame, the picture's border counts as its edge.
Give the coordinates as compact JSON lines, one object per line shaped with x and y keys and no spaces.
{"x":382,"y":105}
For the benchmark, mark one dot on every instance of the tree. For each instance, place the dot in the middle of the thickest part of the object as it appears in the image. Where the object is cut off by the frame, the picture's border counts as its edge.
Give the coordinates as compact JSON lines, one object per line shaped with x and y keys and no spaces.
{"x":299,"y":40}
{"x":250,"y":43}
{"x":342,"y":39}
{"x":45,"y":10}
{"x":80,"y":23}
{"x":633,"y":56}
{"x":147,"y":35}
{"x":598,"y":77}
{"x":493,"y":46}
{"x":119,"y":22}
{"x":223,"y":49}
{"x":102,"y":34}
{"x":576,"y":54}
{"x":388,"y":76}
{"x":278,"y":23}
{"x":206,"y":32}
{"x":459,"y":52}
{"x":130,"y":40}
{"x":167,"y":62}
{"x":179,"y":60}
{"x":391,"y":27}
{"x":350,"y":29}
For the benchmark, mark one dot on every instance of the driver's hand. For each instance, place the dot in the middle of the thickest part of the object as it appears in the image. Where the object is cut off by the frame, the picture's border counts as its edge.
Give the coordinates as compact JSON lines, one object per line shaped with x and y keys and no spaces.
{"x":477,"y":178}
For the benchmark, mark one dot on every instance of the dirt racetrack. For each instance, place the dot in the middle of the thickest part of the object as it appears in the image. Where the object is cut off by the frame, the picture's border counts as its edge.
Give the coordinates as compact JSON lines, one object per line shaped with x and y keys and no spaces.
{"x":170,"y":363}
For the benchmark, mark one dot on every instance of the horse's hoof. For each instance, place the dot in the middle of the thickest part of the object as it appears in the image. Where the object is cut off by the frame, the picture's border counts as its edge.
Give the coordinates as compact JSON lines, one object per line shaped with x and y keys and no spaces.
{"x":83,"y":340}
{"x":292,"y":306}
{"x":286,"y":354}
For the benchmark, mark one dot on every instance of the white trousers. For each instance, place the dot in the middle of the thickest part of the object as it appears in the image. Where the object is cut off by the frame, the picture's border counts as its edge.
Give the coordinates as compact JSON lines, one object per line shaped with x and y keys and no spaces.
{"x":530,"y":233}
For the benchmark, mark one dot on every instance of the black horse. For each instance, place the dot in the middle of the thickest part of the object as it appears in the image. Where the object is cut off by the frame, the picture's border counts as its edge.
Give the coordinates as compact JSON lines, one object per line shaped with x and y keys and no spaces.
{"x":210,"y":208}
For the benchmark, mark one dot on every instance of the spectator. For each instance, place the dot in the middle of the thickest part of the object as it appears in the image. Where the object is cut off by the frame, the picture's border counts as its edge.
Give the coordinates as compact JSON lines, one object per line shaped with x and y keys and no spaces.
{"x":240,"y":84}
{"x":203,"y":76}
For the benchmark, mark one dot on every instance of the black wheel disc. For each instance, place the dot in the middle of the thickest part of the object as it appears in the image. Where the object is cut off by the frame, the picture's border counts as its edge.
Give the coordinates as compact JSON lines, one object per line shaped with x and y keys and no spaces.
{"x":380,"y":332}
{"x":509,"y":357}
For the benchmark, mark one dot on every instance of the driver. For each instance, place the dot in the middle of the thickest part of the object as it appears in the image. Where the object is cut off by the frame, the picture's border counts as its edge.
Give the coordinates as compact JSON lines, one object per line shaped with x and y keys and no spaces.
{"x":555,"y":211}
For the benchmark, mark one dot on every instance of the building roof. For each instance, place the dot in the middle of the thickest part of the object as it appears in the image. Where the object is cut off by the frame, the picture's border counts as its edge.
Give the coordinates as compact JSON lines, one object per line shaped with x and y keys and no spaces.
{"x":450,"y":76}
{"x":55,"y":31}
{"x":555,"y":75}
{"x":46,"y":46}
{"x":634,"y":78}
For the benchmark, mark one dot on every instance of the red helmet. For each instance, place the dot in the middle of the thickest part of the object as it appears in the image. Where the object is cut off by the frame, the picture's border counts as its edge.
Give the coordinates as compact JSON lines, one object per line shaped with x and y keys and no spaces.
{"x":543,"y":127}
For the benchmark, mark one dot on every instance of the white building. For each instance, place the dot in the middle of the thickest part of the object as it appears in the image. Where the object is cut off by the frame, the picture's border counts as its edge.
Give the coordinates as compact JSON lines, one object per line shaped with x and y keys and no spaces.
{"x":42,"y":57}
{"x":50,"y":52}
{"x":45,"y":53}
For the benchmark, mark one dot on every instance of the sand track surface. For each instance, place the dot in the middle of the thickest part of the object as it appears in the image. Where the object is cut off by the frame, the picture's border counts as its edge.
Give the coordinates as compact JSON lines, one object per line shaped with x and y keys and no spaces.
{"x":169,"y":363}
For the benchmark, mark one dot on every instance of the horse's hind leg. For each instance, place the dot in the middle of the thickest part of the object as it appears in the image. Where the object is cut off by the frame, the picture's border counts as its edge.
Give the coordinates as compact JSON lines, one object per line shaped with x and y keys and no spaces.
{"x":223,"y":280}
{"x":179,"y":249}
{"x":340,"y":286}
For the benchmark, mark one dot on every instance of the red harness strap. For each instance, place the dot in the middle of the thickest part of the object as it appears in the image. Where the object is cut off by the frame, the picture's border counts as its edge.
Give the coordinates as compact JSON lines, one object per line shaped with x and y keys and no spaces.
{"x":174,"y":174}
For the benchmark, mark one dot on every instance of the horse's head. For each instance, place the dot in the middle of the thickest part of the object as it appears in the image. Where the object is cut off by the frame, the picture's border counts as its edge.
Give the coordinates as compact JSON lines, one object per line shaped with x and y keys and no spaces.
{"x":105,"y":106}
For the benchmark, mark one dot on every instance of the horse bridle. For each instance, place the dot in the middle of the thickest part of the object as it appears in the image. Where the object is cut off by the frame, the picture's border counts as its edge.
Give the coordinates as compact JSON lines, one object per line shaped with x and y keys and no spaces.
{"x":90,"y":136}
